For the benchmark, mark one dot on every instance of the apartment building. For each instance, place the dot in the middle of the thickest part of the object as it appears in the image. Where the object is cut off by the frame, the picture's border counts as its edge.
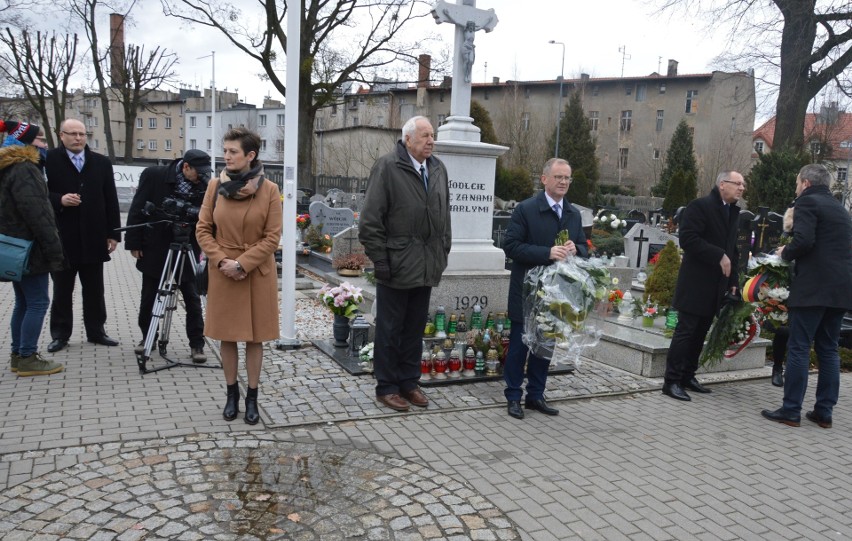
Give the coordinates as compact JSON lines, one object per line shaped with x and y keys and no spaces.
{"x":632,"y":118}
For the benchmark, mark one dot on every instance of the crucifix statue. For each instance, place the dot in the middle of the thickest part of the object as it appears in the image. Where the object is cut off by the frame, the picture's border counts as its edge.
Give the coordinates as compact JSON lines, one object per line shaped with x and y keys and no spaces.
{"x":467,"y":20}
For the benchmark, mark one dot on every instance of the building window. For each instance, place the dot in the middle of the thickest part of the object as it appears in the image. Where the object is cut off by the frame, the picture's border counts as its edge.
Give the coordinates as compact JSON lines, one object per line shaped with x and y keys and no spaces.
{"x":692,"y":131}
{"x":758,"y":147}
{"x":279,"y":120}
{"x":622,"y":158}
{"x":525,"y":121}
{"x":168,"y":144}
{"x":527,"y":92}
{"x":152,"y":123}
{"x":626,"y":120}
{"x":628,"y":90}
{"x":691,"y":101}
{"x":230,"y":127}
{"x":380,"y":121}
{"x":596,"y":90}
{"x":138,"y":123}
{"x":356,"y":121}
{"x":660,"y":114}
{"x":641,"y":90}
{"x":192,"y":123}
{"x":180,"y":132}
{"x":594,"y":118}
{"x":209,"y":121}
{"x":442,"y":119}
{"x":95,"y":144}
{"x":168,"y":122}
{"x":841,"y":174}
{"x":486,"y":94}
{"x":209,"y":145}
{"x":441,"y":97}
{"x":333,"y":109}
{"x":152,"y":144}
{"x":263,"y":144}
{"x":192,"y":144}
{"x":140,"y":144}
{"x":662,"y":88}
{"x":279,"y":145}
{"x":261,"y":120}
{"x":319,"y":122}
{"x":656,"y":153}
{"x":815,"y":148}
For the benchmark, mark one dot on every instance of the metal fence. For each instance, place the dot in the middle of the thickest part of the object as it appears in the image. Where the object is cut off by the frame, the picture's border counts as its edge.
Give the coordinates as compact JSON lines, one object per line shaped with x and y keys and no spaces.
{"x":324,"y":183}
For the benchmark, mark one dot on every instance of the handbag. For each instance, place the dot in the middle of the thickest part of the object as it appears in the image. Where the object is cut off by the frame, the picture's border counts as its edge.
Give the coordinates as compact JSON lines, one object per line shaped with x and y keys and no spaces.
{"x":14,"y":257}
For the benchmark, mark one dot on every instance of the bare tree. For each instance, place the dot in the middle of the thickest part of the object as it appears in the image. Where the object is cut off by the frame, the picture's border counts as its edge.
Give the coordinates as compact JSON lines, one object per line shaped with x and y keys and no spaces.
{"x":800,"y":45}
{"x":41,"y":66}
{"x":140,"y":75}
{"x":341,"y":41}
{"x":524,"y":132}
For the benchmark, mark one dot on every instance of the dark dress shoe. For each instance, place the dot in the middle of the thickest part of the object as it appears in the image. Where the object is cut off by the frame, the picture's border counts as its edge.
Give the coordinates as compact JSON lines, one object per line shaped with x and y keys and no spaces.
{"x":515,"y":409}
{"x":781,"y":416}
{"x":540,"y":405}
{"x":56,"y":345}
{"x":104,"y":341}
{"x":778,"y":377}
{"x":694,"y":385}
{"x":416,"y":397}
{"x":814,"y":417}
{"x":393,"y":401}
{"x":675,"y":391}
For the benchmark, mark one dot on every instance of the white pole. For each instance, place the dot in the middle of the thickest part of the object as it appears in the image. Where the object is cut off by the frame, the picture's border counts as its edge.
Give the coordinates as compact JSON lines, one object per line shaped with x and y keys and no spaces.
{"x":213,"y":115}
{"x":291,"y":148}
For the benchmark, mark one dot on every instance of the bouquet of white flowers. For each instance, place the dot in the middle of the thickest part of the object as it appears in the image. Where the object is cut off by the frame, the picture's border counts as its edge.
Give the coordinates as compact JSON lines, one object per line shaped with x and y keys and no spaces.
{"x":557,"y":299}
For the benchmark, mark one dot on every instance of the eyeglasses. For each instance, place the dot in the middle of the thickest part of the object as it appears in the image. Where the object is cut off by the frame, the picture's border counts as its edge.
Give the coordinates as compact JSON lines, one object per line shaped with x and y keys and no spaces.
{"x":566,"y":178}
{"x":737,"y":183}
{"x":75,"y":133}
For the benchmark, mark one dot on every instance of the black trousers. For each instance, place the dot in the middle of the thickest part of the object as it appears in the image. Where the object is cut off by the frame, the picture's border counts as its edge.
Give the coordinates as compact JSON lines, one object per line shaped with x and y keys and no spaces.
{"x":400,"y":319}
{"x":94,"y":307}
{"x":687,"y":341}
{"x":194,"y":317}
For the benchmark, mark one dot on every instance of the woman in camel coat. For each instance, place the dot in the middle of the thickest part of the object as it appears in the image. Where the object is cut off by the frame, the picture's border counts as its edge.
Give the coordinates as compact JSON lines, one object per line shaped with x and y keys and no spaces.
{"x":239,"y":228}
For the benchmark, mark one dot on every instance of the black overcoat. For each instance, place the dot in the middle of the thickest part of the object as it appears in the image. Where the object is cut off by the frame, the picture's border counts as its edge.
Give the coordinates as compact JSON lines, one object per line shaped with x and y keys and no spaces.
{"x":822,"y":249}
{"x":708,"y":230}
{"x":529,"y":238}
{"x":155,"y":184}
{"x":84,"y":229}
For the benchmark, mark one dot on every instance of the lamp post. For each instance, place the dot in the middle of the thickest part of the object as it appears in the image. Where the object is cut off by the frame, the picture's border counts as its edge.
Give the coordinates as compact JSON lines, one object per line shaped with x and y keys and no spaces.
{"x":212,"y":56}
{"x":561,"y":81}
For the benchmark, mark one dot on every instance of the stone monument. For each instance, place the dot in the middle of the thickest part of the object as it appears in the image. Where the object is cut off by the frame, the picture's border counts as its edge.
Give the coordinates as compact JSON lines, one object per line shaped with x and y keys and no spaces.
{"x":476,"y":268}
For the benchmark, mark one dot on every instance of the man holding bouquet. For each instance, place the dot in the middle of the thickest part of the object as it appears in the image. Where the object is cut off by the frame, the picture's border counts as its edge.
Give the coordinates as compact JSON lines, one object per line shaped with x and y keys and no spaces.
{"x":531,"y":241}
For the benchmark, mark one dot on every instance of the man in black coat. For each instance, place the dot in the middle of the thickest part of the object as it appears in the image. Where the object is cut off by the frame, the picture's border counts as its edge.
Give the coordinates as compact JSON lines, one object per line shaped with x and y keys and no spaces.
{"x":820,"y":294}
{"x":83,"y":196}
{"x":185,"y":181}
{"x":707,"y":234}
{"x":530,"y":241}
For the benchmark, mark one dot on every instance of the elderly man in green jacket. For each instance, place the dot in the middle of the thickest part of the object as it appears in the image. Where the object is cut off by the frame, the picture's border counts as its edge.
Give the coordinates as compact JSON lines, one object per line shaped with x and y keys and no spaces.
{"x":405,"y":230}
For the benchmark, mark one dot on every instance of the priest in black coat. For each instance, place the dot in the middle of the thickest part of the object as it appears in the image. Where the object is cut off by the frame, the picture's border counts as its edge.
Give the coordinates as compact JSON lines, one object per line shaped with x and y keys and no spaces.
{"x":708,"y":235}
{"x":83,"y":196}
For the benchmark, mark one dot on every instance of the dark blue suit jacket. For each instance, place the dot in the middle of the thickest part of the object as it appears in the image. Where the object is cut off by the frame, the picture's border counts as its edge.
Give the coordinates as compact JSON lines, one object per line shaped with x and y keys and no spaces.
{"x":531,"y":234}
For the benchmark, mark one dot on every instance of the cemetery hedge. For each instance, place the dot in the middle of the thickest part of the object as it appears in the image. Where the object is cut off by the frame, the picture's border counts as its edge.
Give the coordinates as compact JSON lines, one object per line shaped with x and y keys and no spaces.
{"x":608,"y":242}
{"x":660,"y":286}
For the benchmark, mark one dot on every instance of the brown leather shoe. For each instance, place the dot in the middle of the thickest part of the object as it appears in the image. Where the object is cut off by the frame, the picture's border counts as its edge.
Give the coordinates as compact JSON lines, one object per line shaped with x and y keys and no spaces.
{"x":416,"y":397}
{"x":393,"y":401}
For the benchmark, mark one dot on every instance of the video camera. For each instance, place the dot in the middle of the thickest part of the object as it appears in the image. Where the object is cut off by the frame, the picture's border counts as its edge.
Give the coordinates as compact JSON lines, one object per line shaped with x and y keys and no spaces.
{"x":175,"y":209}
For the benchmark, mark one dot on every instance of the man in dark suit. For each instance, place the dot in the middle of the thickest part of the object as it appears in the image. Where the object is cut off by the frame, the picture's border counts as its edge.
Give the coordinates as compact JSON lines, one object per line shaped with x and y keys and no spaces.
{"x":83,"y":195}
{"x":184,"y":180}
{"x":820,"y":294}
{"x":708,"y":234}
{"x":530,"y":241}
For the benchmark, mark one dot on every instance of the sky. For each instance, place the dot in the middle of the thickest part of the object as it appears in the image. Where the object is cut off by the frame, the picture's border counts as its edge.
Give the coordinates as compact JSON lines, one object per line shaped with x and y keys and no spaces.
{"x":517,"y":49}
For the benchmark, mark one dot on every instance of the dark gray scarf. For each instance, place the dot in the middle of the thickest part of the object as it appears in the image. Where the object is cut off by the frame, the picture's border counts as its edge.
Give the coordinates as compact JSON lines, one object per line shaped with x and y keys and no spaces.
{"x":231,"y":188}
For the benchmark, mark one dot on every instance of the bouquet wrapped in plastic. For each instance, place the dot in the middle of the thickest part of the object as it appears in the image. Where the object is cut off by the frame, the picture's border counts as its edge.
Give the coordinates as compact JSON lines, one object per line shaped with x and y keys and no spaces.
{"x":768,"y":286}
{"x":557,"y":299}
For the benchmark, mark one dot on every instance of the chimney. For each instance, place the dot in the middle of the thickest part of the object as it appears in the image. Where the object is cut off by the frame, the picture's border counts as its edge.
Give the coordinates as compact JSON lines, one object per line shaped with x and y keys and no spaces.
{"x":116,"y":50}
{"x":424,"y":71}
{"x":495,"y":80}
{"x":584,"y":77}
{"x":672,"y":71}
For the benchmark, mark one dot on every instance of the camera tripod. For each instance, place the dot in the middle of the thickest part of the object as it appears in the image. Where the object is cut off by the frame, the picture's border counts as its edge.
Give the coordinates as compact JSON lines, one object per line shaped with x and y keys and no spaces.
{"x":165,"y":303}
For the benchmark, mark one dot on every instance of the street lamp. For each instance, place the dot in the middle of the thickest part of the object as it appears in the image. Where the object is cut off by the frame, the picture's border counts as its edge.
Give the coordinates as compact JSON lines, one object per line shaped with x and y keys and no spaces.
{"x":559,"y":112}
{"x":212,"y":56}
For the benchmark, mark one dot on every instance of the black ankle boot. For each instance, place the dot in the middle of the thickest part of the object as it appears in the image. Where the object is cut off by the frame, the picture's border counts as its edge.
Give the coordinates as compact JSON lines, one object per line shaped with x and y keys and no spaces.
{"x":252,"y":416}
{"x":232,"y":406}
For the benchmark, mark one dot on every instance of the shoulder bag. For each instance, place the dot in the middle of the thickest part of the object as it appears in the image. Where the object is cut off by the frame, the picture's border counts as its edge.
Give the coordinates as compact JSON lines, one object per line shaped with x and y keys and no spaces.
{"x":14,"y":257}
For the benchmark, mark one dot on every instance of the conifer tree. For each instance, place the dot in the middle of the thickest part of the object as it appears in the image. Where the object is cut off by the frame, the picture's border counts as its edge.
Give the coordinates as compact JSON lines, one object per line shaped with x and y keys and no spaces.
{"x":660,"y":286}
{"x":772,"y":181}
{"x":577,"y":145}
{"x":679,"y":156}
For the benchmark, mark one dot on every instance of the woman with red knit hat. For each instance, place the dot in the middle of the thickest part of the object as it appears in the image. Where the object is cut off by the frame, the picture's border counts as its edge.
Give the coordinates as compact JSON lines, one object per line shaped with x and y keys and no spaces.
{"x":25,"y":213}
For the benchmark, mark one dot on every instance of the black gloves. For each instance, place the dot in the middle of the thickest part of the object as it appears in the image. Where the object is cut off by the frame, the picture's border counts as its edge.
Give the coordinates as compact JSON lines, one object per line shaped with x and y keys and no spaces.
{"x":382,"y":270}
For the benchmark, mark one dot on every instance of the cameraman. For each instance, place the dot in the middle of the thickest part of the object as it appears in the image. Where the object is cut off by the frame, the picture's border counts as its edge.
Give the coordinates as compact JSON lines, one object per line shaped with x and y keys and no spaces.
{"x":184,"y":180}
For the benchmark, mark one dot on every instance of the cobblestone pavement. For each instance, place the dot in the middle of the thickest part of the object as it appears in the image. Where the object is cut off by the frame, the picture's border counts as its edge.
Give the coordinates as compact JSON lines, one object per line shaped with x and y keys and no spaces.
{"x":100,"y":452}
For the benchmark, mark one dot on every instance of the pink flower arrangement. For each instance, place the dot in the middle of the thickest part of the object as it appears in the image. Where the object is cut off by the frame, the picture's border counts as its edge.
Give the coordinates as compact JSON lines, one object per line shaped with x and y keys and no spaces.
{"x":342,"y":300}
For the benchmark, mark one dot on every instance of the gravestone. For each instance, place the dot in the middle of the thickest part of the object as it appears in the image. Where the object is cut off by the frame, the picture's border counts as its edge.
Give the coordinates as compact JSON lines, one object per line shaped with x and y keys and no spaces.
{"x":335,"y":198}
{"x":767,"y":227}
{"x":333,"y":220}
{"x":317,"y":197}
{"x":745,"y":237}
{"x":346,"y":242}
{"x":642,"y":242}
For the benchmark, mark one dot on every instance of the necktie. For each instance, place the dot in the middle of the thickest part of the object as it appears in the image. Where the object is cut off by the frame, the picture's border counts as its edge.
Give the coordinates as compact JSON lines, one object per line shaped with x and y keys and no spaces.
{"x":78,"y":163}
{"x":558,"y":210}
{"x":423,"y":176}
